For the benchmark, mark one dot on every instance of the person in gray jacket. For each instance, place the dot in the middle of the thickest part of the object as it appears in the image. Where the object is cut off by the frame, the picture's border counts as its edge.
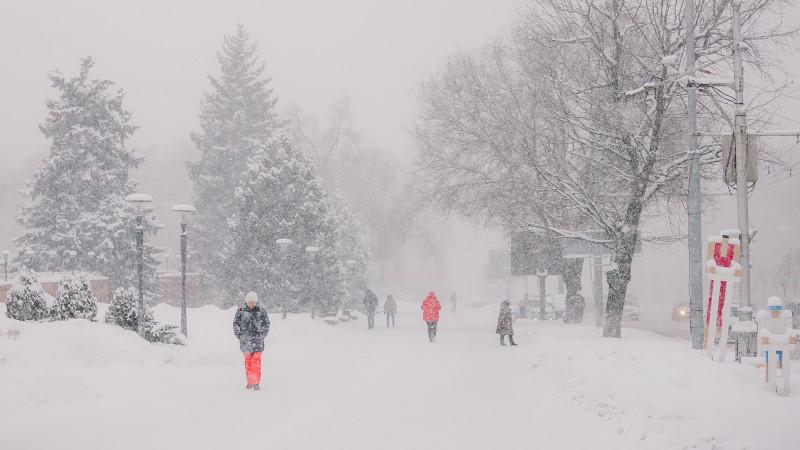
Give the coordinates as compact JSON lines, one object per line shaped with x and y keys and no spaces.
{"x":370,"y":304}
{"x":251,"y":326}
{"x":390,"y":308}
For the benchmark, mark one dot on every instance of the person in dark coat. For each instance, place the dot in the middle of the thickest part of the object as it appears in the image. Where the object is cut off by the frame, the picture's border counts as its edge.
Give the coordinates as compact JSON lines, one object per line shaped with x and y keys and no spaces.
{"x":390,"y":308}
{"x":505,"y":323}
{"x":370,"y":304}
{"x":251,"y":326}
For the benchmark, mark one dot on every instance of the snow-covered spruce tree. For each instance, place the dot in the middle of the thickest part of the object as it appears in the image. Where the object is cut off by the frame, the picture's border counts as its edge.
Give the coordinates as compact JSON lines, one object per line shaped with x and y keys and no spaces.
{"x":278,"y":197}
{"x":353,"y":250}
{"x":74,"y":300}
{"x":123,"y":312}
{"x":76,"y":198}
{"x":236,"y":117}
{"x":25,"y":299}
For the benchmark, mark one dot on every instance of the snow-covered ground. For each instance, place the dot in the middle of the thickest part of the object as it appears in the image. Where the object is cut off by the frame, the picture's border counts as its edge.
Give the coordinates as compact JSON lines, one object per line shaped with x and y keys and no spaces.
{"x":82,"y":385}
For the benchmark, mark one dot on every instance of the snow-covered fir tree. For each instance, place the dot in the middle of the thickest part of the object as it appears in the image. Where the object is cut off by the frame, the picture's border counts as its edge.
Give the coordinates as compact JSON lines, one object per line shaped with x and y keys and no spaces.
{"x":74,"y":300}
{"x":76,"y":198}
{"x":122,"y":309}
{"x":237,"y":116}
{"x":25,"y":299}
{"x":279,"y":198}
{"x":123,"y":312}
{"x":352,"y":248}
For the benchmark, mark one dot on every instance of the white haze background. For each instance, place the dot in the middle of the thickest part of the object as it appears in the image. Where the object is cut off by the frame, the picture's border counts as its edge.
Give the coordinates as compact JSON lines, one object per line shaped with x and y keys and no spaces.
{"x":374,"y":52}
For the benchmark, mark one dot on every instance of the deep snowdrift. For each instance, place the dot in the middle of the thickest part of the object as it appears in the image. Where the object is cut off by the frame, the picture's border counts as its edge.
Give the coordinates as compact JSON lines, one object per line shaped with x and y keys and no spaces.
{"x":82,"y":385}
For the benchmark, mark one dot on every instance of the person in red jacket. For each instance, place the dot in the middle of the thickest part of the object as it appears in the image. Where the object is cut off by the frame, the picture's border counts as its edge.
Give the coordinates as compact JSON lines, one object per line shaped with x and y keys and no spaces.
{"x":430,"y":314}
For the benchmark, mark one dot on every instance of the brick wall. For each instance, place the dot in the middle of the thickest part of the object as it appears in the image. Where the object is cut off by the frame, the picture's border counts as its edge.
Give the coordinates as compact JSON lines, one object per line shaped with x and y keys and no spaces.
{"x":100,"y":286}
{"x":171,"y":288}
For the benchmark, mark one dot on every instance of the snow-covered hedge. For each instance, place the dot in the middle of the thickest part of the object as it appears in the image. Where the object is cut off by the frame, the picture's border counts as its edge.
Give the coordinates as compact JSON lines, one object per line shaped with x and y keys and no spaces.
{"x":74,"y":300}
{"x":123,"y":312}
{"x":26,"y":299}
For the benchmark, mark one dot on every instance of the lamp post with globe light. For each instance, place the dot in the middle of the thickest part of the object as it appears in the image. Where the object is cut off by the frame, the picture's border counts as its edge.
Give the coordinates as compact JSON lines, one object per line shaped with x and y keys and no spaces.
{"x":74,"y":258}
{"x":283,"y":246}
{"x":312,"y":252}
{"x":5,"y":263}
{"x":186,"y":212}
{"x":52,"y":254}
{"x":140,"y":203}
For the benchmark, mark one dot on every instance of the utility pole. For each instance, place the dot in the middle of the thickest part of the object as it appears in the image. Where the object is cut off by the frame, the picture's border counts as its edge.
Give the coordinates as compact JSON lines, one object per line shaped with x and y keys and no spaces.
{"x":597,"y":290}
{"x":694,"y":200}
{"x":740,"y":138}
{"x":542,"y":274}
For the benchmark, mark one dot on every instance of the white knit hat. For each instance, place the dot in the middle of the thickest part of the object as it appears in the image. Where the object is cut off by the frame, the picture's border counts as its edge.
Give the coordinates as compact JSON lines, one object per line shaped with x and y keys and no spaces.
{"x":251,"y":297}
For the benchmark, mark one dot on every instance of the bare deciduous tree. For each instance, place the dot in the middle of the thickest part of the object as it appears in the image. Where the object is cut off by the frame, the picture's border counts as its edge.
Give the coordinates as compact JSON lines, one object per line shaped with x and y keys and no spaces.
{"x":573,"y":124}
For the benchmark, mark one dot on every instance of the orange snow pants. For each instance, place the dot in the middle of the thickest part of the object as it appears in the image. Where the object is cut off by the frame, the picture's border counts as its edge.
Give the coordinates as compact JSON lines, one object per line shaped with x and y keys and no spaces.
{"x":252,"y":366}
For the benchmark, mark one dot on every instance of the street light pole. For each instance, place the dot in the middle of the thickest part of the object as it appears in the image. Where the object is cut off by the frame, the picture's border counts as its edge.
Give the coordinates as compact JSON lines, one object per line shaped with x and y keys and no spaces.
{"x":74,"y":256}
{"x":185,"y":211}
{"x":283,"y":246}
{"x":140,"y":202}
{"x":5,"y":263}
{"x":312,"y":253}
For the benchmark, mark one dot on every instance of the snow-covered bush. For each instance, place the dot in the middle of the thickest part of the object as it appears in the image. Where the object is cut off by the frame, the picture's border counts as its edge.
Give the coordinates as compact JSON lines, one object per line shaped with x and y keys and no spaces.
{"x":123,"y":312}
{"x":166,"y":334}
{"x":25,"y":300}
{"x":74,"y":300}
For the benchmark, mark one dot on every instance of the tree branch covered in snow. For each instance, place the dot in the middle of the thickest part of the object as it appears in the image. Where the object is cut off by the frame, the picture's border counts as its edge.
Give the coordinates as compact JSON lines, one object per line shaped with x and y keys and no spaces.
{"x":536,"y":131}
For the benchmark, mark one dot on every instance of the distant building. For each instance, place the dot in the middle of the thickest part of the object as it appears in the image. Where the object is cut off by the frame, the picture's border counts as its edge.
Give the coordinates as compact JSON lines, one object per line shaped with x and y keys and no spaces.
{"x":101,"y":286}
{"x":171,"y":288}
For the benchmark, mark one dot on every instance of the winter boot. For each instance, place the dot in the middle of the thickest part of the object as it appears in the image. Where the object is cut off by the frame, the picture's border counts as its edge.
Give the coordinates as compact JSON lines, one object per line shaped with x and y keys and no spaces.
{"x":503,"y":339}
{"x":256,"y":387}
{"x":249,"y":386}
{"x":511,"y":339}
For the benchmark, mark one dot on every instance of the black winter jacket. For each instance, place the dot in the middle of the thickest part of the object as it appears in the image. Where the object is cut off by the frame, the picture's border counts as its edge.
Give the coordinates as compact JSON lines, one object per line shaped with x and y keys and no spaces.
{"x":251,"y":326}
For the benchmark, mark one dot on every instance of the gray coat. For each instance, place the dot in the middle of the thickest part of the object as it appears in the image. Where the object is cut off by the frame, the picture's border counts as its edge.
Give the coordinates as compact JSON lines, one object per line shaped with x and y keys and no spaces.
{"x":370,"y":301}
{"x":251,"y":326}
{"x":505,"y":320}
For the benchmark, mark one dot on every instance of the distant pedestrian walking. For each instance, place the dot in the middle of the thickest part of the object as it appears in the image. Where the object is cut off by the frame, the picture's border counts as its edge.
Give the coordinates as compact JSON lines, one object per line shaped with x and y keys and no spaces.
{"x":370,"y":304}
{"x":430,"y":314}
{"x":454,"y":300}
{"x":251,"y":326}
{"x":505,"y":323}
{"x":390,"y":308}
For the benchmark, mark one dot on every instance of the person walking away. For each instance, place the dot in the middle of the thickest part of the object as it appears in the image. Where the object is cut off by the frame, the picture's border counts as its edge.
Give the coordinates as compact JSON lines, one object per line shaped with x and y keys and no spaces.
{"x":251,"y":326}
{"x":505,"y":323}
{"x":390,"y":308}
{"x":430,"y":314}
{"x":454,"y":300}
{"x":371,"y":304}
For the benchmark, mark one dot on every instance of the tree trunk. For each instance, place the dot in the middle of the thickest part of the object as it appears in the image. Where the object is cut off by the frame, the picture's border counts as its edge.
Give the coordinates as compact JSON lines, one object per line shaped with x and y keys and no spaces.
{"x":618,"y":280}
{"x":571,"y":274}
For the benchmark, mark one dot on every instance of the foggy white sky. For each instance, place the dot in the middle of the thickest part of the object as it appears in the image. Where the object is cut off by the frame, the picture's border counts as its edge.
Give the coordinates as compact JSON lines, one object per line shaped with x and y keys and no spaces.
{"x":160,"y":52}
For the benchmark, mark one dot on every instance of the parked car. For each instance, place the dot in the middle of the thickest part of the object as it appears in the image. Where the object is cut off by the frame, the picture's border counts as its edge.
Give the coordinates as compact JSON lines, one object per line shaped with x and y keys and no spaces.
{"x":630,"y":311}
{"x":680,"y":312}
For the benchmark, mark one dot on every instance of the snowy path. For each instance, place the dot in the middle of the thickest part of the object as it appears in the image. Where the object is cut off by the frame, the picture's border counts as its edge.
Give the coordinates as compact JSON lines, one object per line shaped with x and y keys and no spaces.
{"x":346,"y":387}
